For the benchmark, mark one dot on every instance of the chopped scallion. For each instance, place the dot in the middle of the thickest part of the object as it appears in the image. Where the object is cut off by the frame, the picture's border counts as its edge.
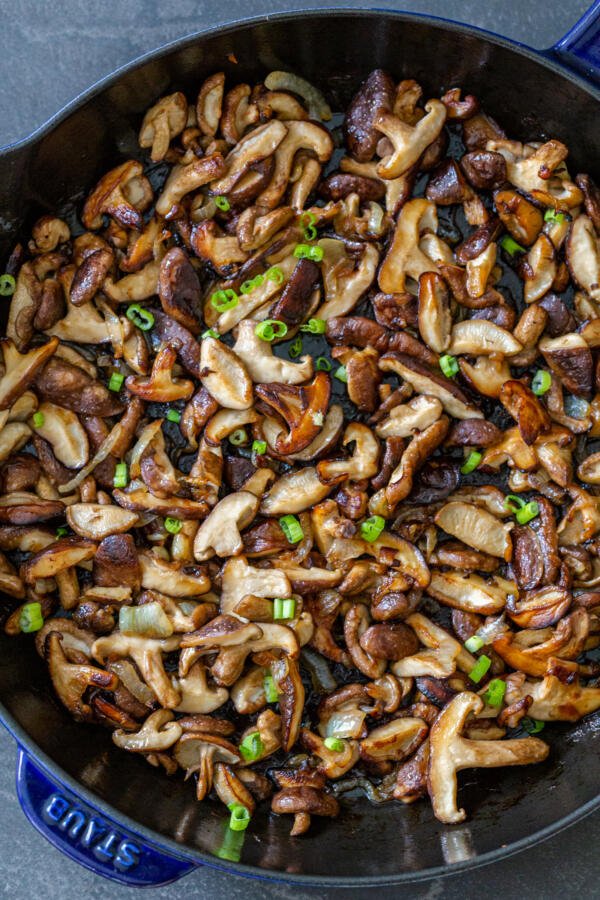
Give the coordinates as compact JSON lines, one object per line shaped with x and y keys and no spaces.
{"x":292,"y":529}
{"x":62,"y":531}
{"x":259,"y":447}
{"x":240,"y":816}
{"x":275,"y":274}
{"x":480,"y":668}
{"x":30,"y":617}
{"x":371,"y":528}
{"x":173,"y":525}
{"x":473,"y":644}
{"x":527,"y":512}
{"x":471,"y":462}
{"x":173,"y":415}
{"x":532,"y":725}
{"x":449,"y":365}
{"x":314,"y":326}
{"x":238,"y":437}
{"x":541,"y":382}
{"x":121,"y":475}
{"x":295,"y":348}
{"x":270,"y":329}
{"x":210,"y":332}
{"x":115,"y":382}
{"x":38,"y":419}
{"x":510,"y":246}
{"x":224,"y":300}
{"x":252,"y":746}
{"x":341,"y":374}
{"x":7,"y":285}
{"x":222,"y":203}
{"x":142,"y":318}
{"x":284,"y":608}
{"x":556,"y":218}
{"x":307,"y":224}
{"x":271,"y":692}
{"x":335,"y":744}
{"x":494,"y":694}
{"x":322,"y":364}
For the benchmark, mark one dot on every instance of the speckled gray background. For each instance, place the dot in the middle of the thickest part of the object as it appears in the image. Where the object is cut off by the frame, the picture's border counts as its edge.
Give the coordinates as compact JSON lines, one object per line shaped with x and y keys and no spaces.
{"x":52,"y":50}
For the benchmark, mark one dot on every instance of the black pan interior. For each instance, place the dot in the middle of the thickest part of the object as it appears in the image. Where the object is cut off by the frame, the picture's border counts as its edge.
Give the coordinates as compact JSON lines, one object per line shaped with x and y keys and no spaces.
{"x":335,"y":51}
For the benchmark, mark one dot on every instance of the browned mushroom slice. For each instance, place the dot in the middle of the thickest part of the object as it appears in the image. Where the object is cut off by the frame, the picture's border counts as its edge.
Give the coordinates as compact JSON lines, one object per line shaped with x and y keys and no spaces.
{"x":450,"y":753}
{"x":304,"y":802}
{"x":184,"y":179}
{"x":114,"y":195}
{"x":433,"y":384}
{"x":180,"y":339}
{"x":262,"y":364}
{"x":302,"y":408}
{"x":408,"y":141}
{"x":391,"y":641}
{"x":197,"y":695}
{"x":179,"y":288}
{"x":477,"y":528}
{"x":420,"y":448}
{"x":435,"y":318}
{"x":20,"y":369}
{"x":552,"y":699}
{"x":72,"y":680}
{"x":163,"y":121}
{"x":116,"y":562}
{"x":158,"y":733}
{"x":199,"y":752}
{"x":396,"y":740}
{"x":147,"y":654}
{"x":286,"y":676}
{"x":161,"y":386}
{"x":224,"y":375}
{"x":23,"y":508}
{"x":62,"y":554}
{"x":69,"y":386}
{"x":526,"y":410}
{"x":471,"y":592}
{"x":404,"y":257}
{"x":219,"y":534}
{"x":570,"y":358}
{"x":140,"y":500}
{"x":97,"y":520}
{"x":239,"y":580}
{"x":520,"y":217}
{"x":90,"y":276}
{"x":363,"y":462}
{"x":331,"y":763}
{"x":182,"y":580}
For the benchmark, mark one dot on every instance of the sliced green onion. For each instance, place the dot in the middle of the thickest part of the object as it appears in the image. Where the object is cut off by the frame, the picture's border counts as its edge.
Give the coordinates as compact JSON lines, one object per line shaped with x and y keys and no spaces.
{"x":315,"y":326}
{"x":232,"y":845}
{"x":115,"y":382}
{"x":513,"y":503}
{"x":295,"y":348}
{"x":141,"y":318}
{"x":247,"y":287}
{"x":495,"y":692}
{"x":173,"y":415}
{"x":292,"y":529}
{"x":323,"y":364}
{"x":307,"y":224}
{"x":449,"y":365}
{"x":341,"y":374}
{"x":284,"y":608}
{"x":252,"y":746}
{"x":541,"y":381}
{"x":510,"y":246}
{"x":275,"y":274}
{"x":471,"y":462}
{"x":480,"y":668}
{"x":259,"y":447}
{"x":527,"y":513}
{"x":121,"y":476}
{"x":532,"y":725}
{"x":210,"y":332}
{"x":38,"y":419}
{"x":240,"y":816}
{"x":270,"y":329}
{"x":271,"y":692}
{"x":173,"y":525}
{"x":149,"y":620}
{"x":316,"y":254}
{"x":62,"y":531}
{"x":222,"y":203}
{"x":302,"y":251}
{"x":333,"y":743}
{"x":371,"y":528}
{"x":30,"y":617}
{"x":551,"y":215}
{"x":474,"y":643}
{"x":238,"y":437}
{"x":7,"y":285}
{"x":224,"y":300}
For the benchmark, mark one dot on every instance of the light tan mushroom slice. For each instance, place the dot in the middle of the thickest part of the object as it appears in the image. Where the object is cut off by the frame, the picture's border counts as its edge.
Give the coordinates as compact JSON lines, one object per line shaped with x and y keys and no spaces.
{"x":22,"y":408}
{"x":72,"y":680}
{"x":21,"y":368}
{"x":477,"y":528}
{"x":240,"y":580}
{"x":295,"y":492}
{"x":62,"y":554}
{"x":13,"y":436}
{"x":157,"y":734}
{"x":396,"y":740}
{"x":435,"y":637}
{"x":198,"y":753}
{"x":147,"y":654}
{"x":589,"y":469}
{"x":225,"y":422}
{"x":423,"y":382}
{"x":318,"y":108}
{"x":407,"y":418}
{"x":450,"y":753}
{"x":409,"y":141}
{"x":255,"y":146}
{"x":82,"y":324}
{"x":479,"y":270}
{"x":73,"y":638}
{"x":181,"y":580}
{"x":583,"y":256}
{"x":141,"y":500}
{"x":183,"y":179}
{"x":362,"y":464}
{"x":540,"y":269}
{"x":471,"y":592}
{"x":248,"y":693}
{"x":219,"y":534}
{"x":345,"y":283}
{"x":435,"y":317}
{"x":485,"y":495}
{"x":163,"y":121}
{"x":250,"y":304}
{"x":479,"y":337}
{"x":97,"y":520}
{"x":261,"y":363}
{"x":197,"y":696}
{"x":301,"y":135}
{"x":486,"y":375}
{"x":224,"y":375}
{"x":553,"y":701}
{"x":65,"y":434}
{"x":404,"y":257}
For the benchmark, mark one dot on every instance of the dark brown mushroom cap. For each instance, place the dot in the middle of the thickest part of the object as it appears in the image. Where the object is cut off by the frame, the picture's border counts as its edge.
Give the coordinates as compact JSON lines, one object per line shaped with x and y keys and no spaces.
{"x":473,"y":433}
{"x":485,"y":169}
{"x":305,"y":800}
{"x":591,"y":198}
{"x":22,"y":508}
{"x":116,"y":562}
{"x":175,"y":335}
{"x":387,"y":641}
{"x":570,"y":358}
{"x":447,"y":184}
{"x":339,"y":185}
{"x":69,"y":386}
{"x":294,"y":302}
{"x":179,"y":288}
{"x":526,"y":410}
{"x":478,"y":241}
{"x":375,"y":95}
{"x":90,"y":275}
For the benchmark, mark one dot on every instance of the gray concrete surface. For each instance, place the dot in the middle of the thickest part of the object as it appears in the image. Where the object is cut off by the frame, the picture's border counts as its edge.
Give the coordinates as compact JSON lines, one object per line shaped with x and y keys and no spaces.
{"x":52,"y":50}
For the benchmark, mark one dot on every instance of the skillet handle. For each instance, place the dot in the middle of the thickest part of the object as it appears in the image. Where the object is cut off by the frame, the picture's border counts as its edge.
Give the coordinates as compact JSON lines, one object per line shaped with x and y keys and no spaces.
{"x":580,"y":47}
{"x":89,"y":838}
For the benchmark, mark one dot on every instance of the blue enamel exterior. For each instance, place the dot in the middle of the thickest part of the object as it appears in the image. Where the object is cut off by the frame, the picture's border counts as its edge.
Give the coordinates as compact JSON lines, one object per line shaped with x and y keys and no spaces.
{"x":99,"y":842}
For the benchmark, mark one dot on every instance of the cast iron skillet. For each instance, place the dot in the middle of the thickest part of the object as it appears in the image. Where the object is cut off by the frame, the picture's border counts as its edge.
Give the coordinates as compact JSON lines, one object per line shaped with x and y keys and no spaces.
{"x":110,"y":810}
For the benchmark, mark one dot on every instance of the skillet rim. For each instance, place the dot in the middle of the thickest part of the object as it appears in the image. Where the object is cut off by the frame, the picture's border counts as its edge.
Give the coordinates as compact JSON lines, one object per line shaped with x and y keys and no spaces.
{"x":546,"y":60}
